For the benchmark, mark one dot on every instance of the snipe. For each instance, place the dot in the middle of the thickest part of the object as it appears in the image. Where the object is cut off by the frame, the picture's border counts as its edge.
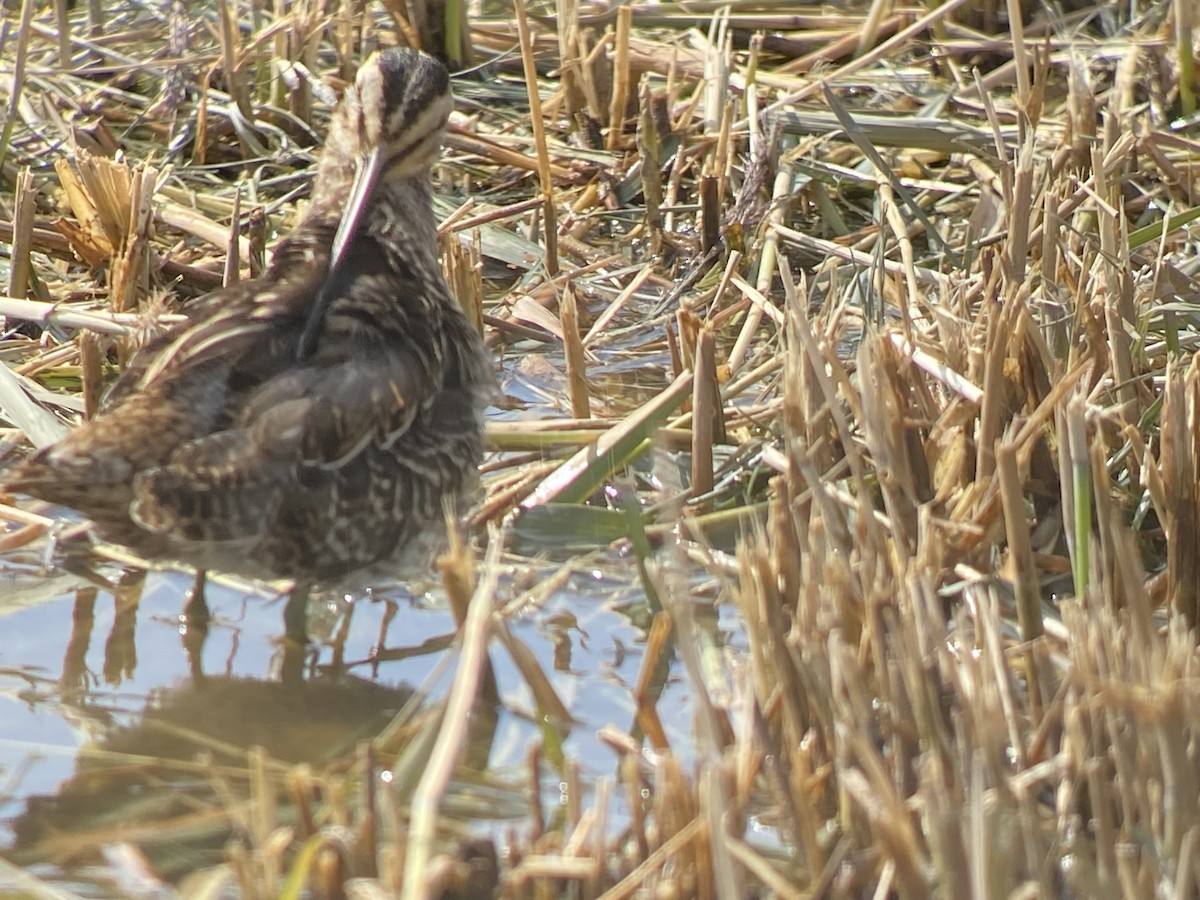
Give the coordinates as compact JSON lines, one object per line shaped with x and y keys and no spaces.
{"x":308,"y":423}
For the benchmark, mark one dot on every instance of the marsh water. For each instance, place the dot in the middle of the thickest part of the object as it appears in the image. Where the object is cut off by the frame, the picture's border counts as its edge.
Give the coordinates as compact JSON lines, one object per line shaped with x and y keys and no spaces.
{"x":124,"y":732}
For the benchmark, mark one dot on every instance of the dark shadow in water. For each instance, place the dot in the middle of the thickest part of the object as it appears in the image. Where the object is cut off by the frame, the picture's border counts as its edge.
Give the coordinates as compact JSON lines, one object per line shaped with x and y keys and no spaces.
{"x":176,"y":783}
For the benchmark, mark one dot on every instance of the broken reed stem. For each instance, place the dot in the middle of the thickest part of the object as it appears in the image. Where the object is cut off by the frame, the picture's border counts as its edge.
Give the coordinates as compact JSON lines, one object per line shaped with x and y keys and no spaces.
{"x":62,"y":16}
{"x":718,"y":51}
{"x":464,"y":269}
{"x":723,"y":158}
{"x":451,"y":739}
{"x":992,"y":409}
{"x":279,"y":89}
{"x":256,"y":238}
{"x":620,"y":88}
{"x":717,"y":809}
{"x":456,"y":38}
{"x":750,"y":97}
{"x":91,"y":371}
{"x":708,"y":420}
{"x":545,"y":697}
{"x":570,"y":63}
{"x":549,"y":216}
{"x":1020,"y":60}
{"x":231,"y":48}
{"x":1185,"y":24}
{"x":1017,"y":250}
{"x":577,"y":386}
{"x":710,"y":211}
{"x":21,"y":271}
{"x":131,"y":264}
{"x":343,"y":37}
{"x":659,"y":641}
{"x":18,"y":78}
{"x":1118,"y":294}
{"x":868,"y":33}
{"x":1178,"y":461}
{"x":456,"y":566}
{"x":895,"y":219}
{"x":689,"y":332}
{"x":593,"y":67}
{"x":648,"y":140}
{"x":673,"y":349}
{"x":1024,"y":575}
{"x":1080,"y":480}
{"x":233,"y":261}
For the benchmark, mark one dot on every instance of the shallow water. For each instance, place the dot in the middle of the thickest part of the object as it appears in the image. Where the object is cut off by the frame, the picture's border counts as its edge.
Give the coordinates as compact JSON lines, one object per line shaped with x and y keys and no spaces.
{"x":83,"y":666}
{"x":110,"y":666}
{"x":107,"y":665}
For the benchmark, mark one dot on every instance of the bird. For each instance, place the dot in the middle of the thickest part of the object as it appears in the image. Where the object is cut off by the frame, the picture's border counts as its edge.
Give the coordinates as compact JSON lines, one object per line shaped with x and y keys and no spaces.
{"x":314,"y":421}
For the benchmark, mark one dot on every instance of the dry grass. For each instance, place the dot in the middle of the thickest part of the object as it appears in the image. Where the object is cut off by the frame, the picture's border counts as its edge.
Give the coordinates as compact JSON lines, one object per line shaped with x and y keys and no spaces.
{"x":935,"y":271}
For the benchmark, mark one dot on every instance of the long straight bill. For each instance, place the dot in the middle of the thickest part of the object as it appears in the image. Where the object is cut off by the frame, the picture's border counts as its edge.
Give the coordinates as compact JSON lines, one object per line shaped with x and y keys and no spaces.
{"x":356,"y":206}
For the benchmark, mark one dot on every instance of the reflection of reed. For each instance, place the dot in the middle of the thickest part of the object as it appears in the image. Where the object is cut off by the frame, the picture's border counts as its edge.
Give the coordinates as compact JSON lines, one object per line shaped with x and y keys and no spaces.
{"x":120,"y":650}
{"x":215,"y":757}
{"x":74,"y":681}
{"x":175,"y":782}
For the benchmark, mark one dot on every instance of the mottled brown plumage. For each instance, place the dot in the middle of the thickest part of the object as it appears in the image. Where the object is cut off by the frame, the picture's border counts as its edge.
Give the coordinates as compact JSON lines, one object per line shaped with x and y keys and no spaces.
{"x":308,"y":423}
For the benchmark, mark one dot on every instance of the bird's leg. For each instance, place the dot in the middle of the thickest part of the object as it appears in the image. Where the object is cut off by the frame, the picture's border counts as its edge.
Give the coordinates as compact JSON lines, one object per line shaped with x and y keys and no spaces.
{"x":195,"y":609}
{"x":390,"y":610}
{"x":74,"y":680}
{"x":120,"y":650}
{"x":195,"y":621}
{"x":295,"y":614}
{"x":295,"y":634}
{"x":291,"y":667}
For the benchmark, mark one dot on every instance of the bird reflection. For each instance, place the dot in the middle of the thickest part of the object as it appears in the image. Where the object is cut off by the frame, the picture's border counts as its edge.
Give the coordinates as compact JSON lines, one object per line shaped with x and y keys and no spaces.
{"x":176,"y":782}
